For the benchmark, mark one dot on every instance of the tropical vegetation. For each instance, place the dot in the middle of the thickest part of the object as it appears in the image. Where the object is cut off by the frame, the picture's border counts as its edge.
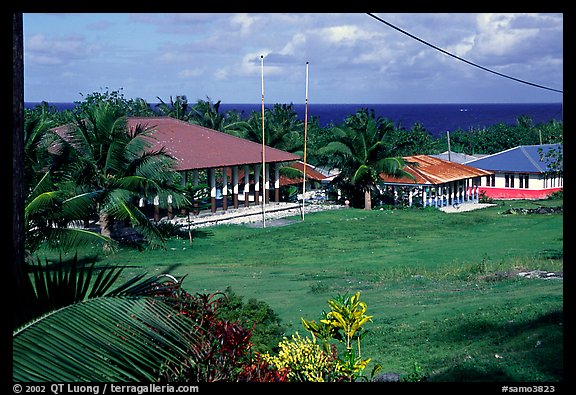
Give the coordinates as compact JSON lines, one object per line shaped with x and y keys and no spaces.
{"x":360,"y":150}
{"x":86,"y":167}
{"x":333,"y":146}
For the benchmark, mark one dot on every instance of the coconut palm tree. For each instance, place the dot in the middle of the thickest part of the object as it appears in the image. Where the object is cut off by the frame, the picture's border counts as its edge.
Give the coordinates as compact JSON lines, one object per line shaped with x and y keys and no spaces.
{"x":207,"y":113}
{"x":113,"y":168}
{"x":51,"y":201}
{"x":178,"y":108}
{"x":359,"y":150}
{"x":282,"y":128}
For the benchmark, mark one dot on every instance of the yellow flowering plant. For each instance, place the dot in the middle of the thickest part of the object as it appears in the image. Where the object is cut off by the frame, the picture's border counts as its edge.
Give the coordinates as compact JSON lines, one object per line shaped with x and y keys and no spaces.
{"x":305,"y":359}
{"x":344,"y":323}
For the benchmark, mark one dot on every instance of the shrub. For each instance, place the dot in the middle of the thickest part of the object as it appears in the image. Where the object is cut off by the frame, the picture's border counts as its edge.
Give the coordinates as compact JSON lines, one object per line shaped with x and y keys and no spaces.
{"x":305,"y":360}
{"x":257,"y":314}
{"x":222,"y":348}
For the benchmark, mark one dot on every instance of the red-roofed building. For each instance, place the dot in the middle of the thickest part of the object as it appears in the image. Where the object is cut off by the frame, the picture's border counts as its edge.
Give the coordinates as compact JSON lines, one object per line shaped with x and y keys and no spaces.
{"x":437,"y":182}
{"x":200,"y":150}
{"x":197,"y":148}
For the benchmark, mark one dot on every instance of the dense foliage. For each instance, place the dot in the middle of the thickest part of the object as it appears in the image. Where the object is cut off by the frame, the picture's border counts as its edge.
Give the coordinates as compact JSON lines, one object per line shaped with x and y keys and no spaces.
{"x":326,"y":147}
{"x":151,"y":329}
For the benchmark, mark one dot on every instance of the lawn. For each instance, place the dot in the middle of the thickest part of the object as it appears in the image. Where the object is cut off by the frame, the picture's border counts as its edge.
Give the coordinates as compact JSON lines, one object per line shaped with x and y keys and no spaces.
{"x":442,"y":288}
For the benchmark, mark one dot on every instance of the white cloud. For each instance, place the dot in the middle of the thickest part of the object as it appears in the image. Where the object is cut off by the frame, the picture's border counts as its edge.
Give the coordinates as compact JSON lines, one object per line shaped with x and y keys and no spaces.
{"x":352,"y":56}
{"x":190,"y":73}
{"x":244,"y":21}
{"x":345,"y":34}
{"x":40,"y":49}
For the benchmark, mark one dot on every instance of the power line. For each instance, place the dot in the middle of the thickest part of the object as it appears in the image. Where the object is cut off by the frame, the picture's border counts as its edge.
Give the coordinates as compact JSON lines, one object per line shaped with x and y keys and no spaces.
{"x":461,"y":59}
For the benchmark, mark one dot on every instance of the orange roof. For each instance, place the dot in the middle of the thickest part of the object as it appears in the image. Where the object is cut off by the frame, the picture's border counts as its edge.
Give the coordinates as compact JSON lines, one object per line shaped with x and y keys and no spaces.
{"x":311,"y":174}
{"x":197,"y":147}
{"x":434,"y":171}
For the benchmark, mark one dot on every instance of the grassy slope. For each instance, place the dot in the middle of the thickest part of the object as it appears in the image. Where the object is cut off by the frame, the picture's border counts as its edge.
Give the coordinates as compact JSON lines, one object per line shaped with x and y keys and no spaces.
{"x":435,"y":283}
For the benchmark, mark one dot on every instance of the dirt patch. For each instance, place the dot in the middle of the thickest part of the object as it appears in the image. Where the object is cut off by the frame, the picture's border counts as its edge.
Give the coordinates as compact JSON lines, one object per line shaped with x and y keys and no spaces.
{"x":272,"y":223}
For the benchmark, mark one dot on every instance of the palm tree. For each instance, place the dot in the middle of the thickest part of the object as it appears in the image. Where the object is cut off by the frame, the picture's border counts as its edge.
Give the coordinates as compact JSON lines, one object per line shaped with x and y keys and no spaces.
{"x":207,"y":113}
{"x":282,"y":128}
{"x":49,"y":207}
{"x":113,"y":168}
{"x":178,"y":108}
{"x":359,"y":149}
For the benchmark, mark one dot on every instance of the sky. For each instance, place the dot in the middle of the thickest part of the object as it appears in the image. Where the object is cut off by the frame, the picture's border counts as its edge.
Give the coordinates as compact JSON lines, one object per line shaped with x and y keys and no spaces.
{"x":352,"y":57}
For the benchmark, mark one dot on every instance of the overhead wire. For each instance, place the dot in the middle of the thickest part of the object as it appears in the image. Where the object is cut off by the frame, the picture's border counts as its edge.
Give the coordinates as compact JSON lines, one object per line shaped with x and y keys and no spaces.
{"x":459,"y":58}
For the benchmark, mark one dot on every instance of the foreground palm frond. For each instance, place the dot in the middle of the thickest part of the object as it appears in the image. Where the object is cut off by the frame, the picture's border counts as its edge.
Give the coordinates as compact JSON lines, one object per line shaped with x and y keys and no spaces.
{"x":102,"y":339}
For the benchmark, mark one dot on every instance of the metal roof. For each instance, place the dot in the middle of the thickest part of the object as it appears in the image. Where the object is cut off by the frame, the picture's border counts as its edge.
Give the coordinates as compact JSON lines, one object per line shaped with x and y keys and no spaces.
{"x":522,"y":159}
{"x":429,"y":170}
{"x":197,"y":147}
{"x":458,"y":157}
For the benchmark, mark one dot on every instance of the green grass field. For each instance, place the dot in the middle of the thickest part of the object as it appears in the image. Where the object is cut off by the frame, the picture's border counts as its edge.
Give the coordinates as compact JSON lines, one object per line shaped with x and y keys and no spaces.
{"x":442,"y":288}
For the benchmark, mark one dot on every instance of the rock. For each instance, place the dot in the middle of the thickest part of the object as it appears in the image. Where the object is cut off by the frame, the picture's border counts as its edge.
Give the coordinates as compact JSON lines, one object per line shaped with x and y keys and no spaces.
{"x":387,"y":377}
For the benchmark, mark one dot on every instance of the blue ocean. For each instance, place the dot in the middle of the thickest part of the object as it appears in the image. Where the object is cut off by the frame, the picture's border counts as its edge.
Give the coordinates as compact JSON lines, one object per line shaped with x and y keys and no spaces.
{"x":435,"y":118}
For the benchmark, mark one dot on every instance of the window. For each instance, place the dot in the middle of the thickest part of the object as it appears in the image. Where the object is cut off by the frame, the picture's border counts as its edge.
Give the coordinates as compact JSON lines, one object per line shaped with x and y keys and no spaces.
{"x":509,"y":180}
{"x":493,"y":179}
{"x":524,"y":180}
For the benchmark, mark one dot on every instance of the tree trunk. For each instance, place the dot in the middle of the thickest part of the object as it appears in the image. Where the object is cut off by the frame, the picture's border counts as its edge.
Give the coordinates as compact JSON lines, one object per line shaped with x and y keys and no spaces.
{"x":367,"y":199}
{"x":105,"y":225}
{"x":106,"y":229}
{"x":18,"y":246}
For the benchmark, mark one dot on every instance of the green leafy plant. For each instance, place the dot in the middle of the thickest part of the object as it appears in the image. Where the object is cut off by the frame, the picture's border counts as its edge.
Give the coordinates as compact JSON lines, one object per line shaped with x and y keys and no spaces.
{"x":344,"y":323}
{"x":416,"y":375}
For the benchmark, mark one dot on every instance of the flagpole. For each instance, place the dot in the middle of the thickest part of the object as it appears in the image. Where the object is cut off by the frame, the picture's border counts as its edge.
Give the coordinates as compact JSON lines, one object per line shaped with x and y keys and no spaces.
{"x":263,"y":150}
{"x":305,"y":137}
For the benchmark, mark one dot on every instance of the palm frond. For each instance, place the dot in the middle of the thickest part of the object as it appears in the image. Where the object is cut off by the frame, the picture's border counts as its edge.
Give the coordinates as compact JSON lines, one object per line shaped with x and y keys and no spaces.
{"x":335,"y":147}
{"x":290,"y":172}
{"x":103,"y":339}
{"x":394,"y":167}
{"x":363,"y":173}
{"x":124,"y":209}
{"x":45,"y":184}
{"x":67,"y":239}
{"x":42,"y":202}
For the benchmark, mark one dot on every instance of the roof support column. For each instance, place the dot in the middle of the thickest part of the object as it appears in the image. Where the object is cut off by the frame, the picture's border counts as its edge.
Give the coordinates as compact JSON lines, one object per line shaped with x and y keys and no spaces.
{"x":441,"y":194}
{"x":457,"y":191}
{"x":156,"y":208}
{"x":267,"y":184}
{"x":235,"y":185}
{"x":170,"y":208}
{"x":224,"y":188}
{"x":212,"y":183}
{"x":424,"y":198}
{"x":246,"y":185}
{"x":277,"y":182}
{"x":257,"y":168}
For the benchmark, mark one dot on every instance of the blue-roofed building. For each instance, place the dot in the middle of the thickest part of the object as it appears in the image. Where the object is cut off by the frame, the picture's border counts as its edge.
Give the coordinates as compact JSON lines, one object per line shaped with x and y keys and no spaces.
{"x":522,"y":172}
